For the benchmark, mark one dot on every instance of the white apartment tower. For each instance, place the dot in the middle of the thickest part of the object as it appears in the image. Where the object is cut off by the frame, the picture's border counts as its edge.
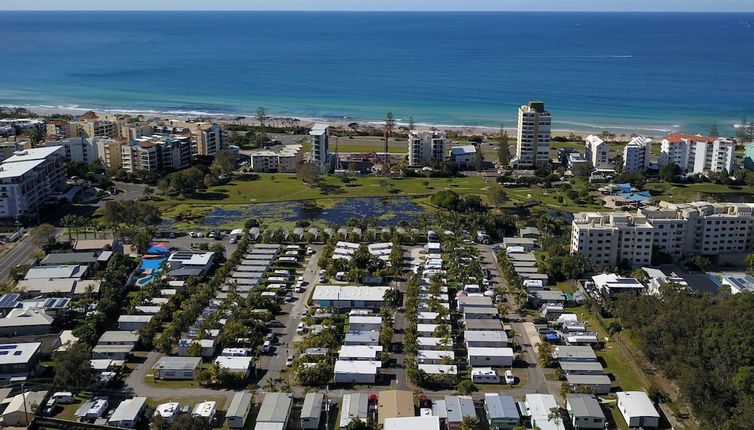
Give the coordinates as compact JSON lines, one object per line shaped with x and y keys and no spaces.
{"x":597,"y":152}
{"x":681,"y":230}
{"x":424,"y":146}
{"x":29,"y":178}
{"x":533,"y":138}
{"x":320,"y":144}
{"x":211,"y":139}
{"x":697,"y":154}
{"x":636,"y":155}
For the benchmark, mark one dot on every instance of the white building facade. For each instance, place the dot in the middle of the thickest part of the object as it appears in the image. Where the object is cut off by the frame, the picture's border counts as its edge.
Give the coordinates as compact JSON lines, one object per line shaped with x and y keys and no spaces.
{"x":636,"y":155}
{"x":533,"y":137}
{"x":426,"y":145}
{"x":597,"y":152}
{"x":697,"y":154}
{"x":320,"y":144}
{"x":29,"y":178}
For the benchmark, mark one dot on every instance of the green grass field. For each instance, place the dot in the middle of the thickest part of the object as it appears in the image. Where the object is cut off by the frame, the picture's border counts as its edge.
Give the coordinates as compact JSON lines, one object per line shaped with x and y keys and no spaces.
{"x":678,"y":193}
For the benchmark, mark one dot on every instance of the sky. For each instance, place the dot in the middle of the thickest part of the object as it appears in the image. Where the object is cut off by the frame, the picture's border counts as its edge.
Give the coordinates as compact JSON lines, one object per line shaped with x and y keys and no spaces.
{"x":389,"y":5}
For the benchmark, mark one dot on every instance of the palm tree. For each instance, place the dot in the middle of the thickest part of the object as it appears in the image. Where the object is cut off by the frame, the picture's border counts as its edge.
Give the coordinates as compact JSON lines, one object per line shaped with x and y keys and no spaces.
{"x":68,"y":221}
{"x":389,"y":126}
{"x":270,"y":386}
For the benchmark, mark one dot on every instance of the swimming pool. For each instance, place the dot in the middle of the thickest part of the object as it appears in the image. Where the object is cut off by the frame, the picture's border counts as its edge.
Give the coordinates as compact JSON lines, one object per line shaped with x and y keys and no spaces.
{"x":153,"y":265}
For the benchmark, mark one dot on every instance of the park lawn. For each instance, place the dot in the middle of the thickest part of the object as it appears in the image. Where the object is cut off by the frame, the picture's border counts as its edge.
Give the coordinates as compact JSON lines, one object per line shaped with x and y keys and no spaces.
{"x":149,"y":379}
{"x":618,"y":365}
{"x":678,"y":193}
{"x":547,"y":197}
{"x":285,"y":187}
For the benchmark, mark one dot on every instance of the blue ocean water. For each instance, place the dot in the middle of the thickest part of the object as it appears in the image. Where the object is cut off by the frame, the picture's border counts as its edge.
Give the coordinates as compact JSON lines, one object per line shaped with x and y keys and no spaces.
{"x":649,"y":72}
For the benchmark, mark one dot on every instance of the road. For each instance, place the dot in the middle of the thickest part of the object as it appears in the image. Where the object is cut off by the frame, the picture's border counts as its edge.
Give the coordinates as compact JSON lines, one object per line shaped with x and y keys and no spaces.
{"x":272,"y":365}
{"x":17,"y":255}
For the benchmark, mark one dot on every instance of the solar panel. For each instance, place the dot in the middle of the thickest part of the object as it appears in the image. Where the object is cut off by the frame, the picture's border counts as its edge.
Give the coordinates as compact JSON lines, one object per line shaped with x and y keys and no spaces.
{"x":2,"y":347}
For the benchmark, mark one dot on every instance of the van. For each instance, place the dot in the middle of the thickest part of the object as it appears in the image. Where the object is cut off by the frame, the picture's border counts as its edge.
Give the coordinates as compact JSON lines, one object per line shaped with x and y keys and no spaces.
{"x":267,"y":346}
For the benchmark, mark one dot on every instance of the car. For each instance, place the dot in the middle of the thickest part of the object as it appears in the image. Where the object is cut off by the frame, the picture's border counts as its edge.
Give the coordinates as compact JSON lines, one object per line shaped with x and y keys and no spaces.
{"x":289,"y":360}
{"x":540,"y":321}
{"x":171,"y":235}
{"x":486,"y":282}
{"x":200,"y":234}
{"x":299,"y":289}
{"x":211,"y":234}
{"x":289,"y":298}
{"x":322,"y":279}
{"x":309,"y":250}
{"x":301,"y":329}
{"x":304,"y":313}
{"x":192,"y":234}
{"x":300,"y":279}
{"x":270,"y":337}
{"x":267,"y":346}
{"x":275,"y":323}
{"x":510,"y":379}
{"x":186,"y":409}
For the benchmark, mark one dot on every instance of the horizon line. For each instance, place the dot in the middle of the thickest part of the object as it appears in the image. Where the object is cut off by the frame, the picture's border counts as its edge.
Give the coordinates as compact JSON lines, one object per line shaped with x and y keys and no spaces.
{"x":381,"y":10}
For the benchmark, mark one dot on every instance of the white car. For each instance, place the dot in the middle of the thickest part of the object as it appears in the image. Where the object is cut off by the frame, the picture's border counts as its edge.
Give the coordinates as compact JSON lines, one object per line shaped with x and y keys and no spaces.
{"x":509,"y":378}
{"x":301,"y":328}
{"x":289,"y":361}
{"x":192,"y":234}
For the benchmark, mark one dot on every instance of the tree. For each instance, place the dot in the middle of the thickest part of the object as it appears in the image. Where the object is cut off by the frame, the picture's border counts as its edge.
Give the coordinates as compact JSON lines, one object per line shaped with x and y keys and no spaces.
{"x":35,"y":136}
{"x":582,"y":170}
{"x":497,"y":195}
{"x":308,"y":173}
{"x":411,"y":123}
{"x":148,"y":192}
{"x":389,"y":126}
{"x":45,"y":237}
{"x":619,"y":164}
{"x":469,"y":423}
{"x":224,"y":162}
{"x":131,"y":212}
{"x":73,"y":370}
{"x":261,"y":116}
{"x":670,"y":172}
{"x":699,"y":263}
{"x":479,"y":159}
{"x":503,"y":151}
{"x":466,"y":387}
{"x":557,"y":416}
{"x":189,"y":422}
{"x":392,"y":297}
{"x":545,"y":350}
{"x":195,"y":349}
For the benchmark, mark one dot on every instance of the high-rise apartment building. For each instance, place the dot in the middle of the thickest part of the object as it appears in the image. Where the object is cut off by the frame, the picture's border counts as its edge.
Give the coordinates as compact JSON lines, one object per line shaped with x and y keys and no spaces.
{"x":320,"y":144}
{"x":697,"y":154}
{"x":680,"y":230}
{"x":533,"y":138}
{"x":211,"y":139}
{"x":29,"y":178}
{"x":636,"y":155}
{"x":156,"y":153}
{"x":597,"y":152}
{"x":426,"y":145}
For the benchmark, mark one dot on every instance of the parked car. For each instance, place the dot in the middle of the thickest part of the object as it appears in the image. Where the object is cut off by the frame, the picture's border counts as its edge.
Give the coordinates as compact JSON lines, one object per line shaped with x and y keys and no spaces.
{"x":275,"y":323}
{"x":289,"y":361}
{"x":270,"y":337}
{"x":267,"y":346}
{"x":192,"y":234}
{"x":510,"y":379}
{"x":211,"y":234}
{"x":301,"y":328}
{"x":322,"y":278}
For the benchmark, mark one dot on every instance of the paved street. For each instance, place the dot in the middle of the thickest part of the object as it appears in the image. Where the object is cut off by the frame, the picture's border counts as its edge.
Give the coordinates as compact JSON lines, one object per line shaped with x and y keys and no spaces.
{"x":19,"y":253}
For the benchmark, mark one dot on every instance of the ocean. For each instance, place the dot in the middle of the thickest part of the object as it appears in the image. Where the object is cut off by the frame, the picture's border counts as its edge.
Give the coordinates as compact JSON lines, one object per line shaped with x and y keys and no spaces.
{"x":648,"y":73}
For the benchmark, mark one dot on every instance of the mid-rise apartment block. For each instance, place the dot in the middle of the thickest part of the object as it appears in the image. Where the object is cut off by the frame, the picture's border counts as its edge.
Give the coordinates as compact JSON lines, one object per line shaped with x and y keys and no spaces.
{"x":424,"y":146}
{"x":29,"y":178}
{"x":320,"y":144}
{"x":282,"y":159}
{"x":76,"y":148}
{"x":63,"y":129}
{"x":636,"y":155}
{"x":156,"y":153}
{"x":533,"y":138}
{"x":98,"y":128}
{"x":680,"y":230}
{"x":211,"y":139}
{"x":597,"y":152}
{"x":696,"y":153}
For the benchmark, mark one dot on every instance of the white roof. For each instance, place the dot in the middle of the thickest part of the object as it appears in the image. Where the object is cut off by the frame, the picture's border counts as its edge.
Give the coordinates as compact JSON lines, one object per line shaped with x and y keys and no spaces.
{"x":135,"y":318}
{"x":359,"y":351}
{"x":12,"y":170}
{"x":18,"y":353}
{"x":118,"y":336}
{"x":485,"y":336}
{"x":128,"y":410}
{"x":636,"y":404}
{"x":483,"y":371}
{"x":431,"y":341}
{"x":463,"y":149}
{"x":204,"y":409}
{"x":56,"y":272}
{"x":611,"y":280}
{"x":540,"y":405}
{"x":191,"y":258}
{"x":235,"y":364}
{"x":439,"y":369}
{"x":365,"y":319}
{"x":334,"y":292}
{"x":32,"y":154}
{"x":491,"y":352}
{"x":432,"y":354}
{"x":360,"y":367}
{"x":167,"y":410}
{"x":412,"y":423}
{"x":319,"y":129}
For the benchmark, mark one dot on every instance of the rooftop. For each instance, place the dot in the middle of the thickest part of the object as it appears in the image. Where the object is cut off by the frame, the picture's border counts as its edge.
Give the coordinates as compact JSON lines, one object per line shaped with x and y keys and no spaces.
{"x":129,"y":409}
{"x":275,"y":408}
{"x":56,"y":272}
{"x":18,"y":353}
{"x":178,"y":363}
{"x":636,"y":403}
{"x":334,"y":292}
{"x":584,"y":405}
{"x":500,"y":406}
{"x":361,"y":367}
{"x":40,"y":153}
{"x":428,"y":422}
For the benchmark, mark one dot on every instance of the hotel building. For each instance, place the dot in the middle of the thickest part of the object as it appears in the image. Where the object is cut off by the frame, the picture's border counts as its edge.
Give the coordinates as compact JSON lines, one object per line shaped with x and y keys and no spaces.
{"x":697,"y":154}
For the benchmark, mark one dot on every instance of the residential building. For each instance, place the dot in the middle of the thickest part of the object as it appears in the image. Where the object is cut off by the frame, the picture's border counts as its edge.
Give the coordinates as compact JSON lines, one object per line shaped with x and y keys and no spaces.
{"x":156,"y":153}
{"x":697,"y":154}
{"x":18,"y":359}
{"x":76,"y":148}
{"x":484,"y":375}
{"x":563,"y":353}
{"x":448,"y":372}
{"x":240,"y":365}
{"x":205,"y":410}
{"x":355,"y":406}
{"x":490,"y":357}
{"x":533,"y":137}
{"x":311,"y":412}
{"x":360,"y":352}
{"x":239,"y":409}
{"x":210,"y":139}
{"x":364,"y":338}
{"x":28,"y":180}
{"x":599,"y":384}
{"x":22,"y":408}
{"x":26,"y":322}
{"x":98,"y":128}
{"x":115,"y":345}
{"x":581,"y":368}
{"x":346,"y":297}
{"x":483,"y":325}
{"x":458,"y":408}
{"x":637,"y":409}
{"x":574,"y":159}
{"x":110,"y":151}
{"x":274,"y":412}
{"x":168,"y":411}
{"x":636,"y":155}
{"x":585,"y":411}
{"x":426,"y":422}
{"x":464,"y":156}
{"x":608,"y":285}
{"x":749,"y":156}
{"x":680,"y":230}
{"x":183,"y":264}
{"x":473,"y":302}
{"x":356,"y":371}
{"x":365,"y":323}
{"x":434,"y":356}
{"x":128,"y":413}
{"x":320,"y":144}
{"x":394,"y":404}
{"x":63,"y":129}
{"x":207,"y":345}
{"x":501,"y":411}
{"x":281,"y":159}
{"x":485,"y":338}
{"x":538,"y":408}
{"x":424,"y":146}
{"x":597,"y":152}
{"x":133,"y":322}
{"x":177,"y":368}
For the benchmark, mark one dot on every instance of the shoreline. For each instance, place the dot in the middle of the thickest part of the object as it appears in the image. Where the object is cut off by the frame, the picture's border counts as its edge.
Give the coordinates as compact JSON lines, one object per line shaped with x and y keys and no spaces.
{"x":344,"y":121}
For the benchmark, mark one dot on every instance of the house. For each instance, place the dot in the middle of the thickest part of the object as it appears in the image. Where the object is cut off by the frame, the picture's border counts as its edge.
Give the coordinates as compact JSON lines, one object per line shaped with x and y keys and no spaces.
{"x":538,"y":408}
{"x":581,"y":367}
{"x":426,"y":317}
{"x":425,"y":422}
{"x":434,"y":357}
{"x":367,"y":338}
{"x":354,"y":407}
{"x":485,"y":339}
{"x":637,"y":409}
{"x":600,"y":384}
{"x":240,"y":365}
{"x":529,"y":233}
{"x":490,"y":357}
{"x":581,"y":338}
{"x":447,"y":370}
{"x":365,"y":323}
{"x":356,"y":371}
{"x":458,"y":408}
{"x":609,"y":285}
{"x":238,"y":410}
{"x":360,"y":352}
{"x":346,"y":297}
{"x":207,"y":345}
{"x":87,"y":258}
{"x":68,"y":271}
{"x":426,"y":329}
{"x":394,"y":404}
{"x":18,"y":360}
{"x":434,"y":343}
{"x":43,"y":287}
{"x":474,"y":301}
{"x":26,"y":322}
{"x":81,"y":245}
{"x":311,"y":412}
{"x":274,"y":412}
{"x":585,"y":411}
{"x":177,"y":368}
{"x":538,"y":298}
{"x":205,"y":410}
{"x":464,"y":156}
{"x":128,"y":413}
{"x":501,"y":411}
{"x":190,"y":263}
{"x":484,"y":375}
{"x":133,"y":322}
{"x":551,"y":311}
{"x":573,"y":353}
{"x":527,"y":243}
{"x":483,"y":325}
{"x":22,"y":408}
{"x":470,"y":313}
{"x":115,"y":345}
{"x":168,"y":411}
